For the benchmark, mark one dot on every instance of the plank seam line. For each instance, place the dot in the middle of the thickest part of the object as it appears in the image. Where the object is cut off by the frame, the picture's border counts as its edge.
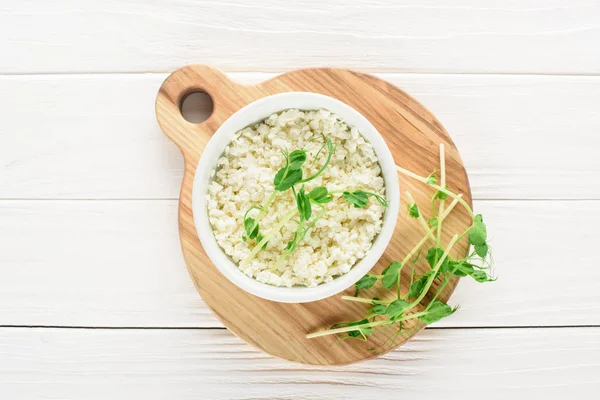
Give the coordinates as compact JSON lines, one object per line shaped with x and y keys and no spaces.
{"x":280,"y":71}
{"x":157,"y":328}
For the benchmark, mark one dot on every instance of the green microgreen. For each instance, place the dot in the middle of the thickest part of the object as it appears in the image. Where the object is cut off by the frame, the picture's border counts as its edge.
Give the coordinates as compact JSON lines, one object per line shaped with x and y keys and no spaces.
{"x":434,"y":254}
{"x":378,"y":309}
{"x":390,"y":275}
{"x":286,"y":178}
{"x":436,"y":311}
{"x":297,"y":158}
{"x":432,"y":179}
{"x":291,"y":173}
{"x":289,"y":177}
{"x":355,"y":330}
{"x":440,"y":195}
{"x":406,"y":302}
{"x":360,"y":198}
{"x":366,"y":282}
{"x":397,"y":308}
{"x":320,"y":195}
{"x":303,"y":203}
{"x":413,"y":210}
{"x":330,"y":150}
{"x":251,"y":228}
{"x":417,"y":286}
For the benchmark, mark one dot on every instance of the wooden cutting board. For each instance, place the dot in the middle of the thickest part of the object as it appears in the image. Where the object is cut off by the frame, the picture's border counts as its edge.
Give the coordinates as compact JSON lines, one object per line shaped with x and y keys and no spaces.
{"x":413,"y":135}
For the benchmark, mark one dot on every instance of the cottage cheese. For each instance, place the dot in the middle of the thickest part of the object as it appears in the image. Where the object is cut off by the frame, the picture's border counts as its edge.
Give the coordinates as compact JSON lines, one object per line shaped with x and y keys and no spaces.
{"x":243,"y":178}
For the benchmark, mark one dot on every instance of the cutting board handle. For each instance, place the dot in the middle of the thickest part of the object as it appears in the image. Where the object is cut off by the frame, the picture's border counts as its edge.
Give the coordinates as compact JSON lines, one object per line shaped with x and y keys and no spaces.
{"x":191,"y":138}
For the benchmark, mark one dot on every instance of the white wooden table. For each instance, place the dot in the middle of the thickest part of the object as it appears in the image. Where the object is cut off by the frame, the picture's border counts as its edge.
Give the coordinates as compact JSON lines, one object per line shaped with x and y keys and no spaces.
{"x":95,"y":300}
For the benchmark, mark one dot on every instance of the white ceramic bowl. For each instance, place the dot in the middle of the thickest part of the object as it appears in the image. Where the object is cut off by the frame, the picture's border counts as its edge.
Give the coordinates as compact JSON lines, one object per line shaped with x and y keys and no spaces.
{"x":256,"y":112}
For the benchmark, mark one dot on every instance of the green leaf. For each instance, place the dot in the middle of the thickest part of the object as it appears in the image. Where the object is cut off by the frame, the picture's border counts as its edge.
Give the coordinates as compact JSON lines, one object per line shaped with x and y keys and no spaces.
{"x":251,"y":227}
{"x":478,"y":233}
{"x":432,"y":179}
{"x":436,"y":311}
{"x":359,"y":198}
{"x":434,"y":254}
{"x":390,"y":275}
{"x":481,"y":276}
{"x":463,"y":268}
{"x":385,"y":269}
{"x":324,"y":199}
{"x":379,"y":199}
{"x":361,"y":331}
{"x":397,"y":308}
{"x":364,"y":331}
{"x":460,"y":268}
{"x":378,"y":309}
{"x":433,"y":222}
{"x":418,"y":286}
{"x":285,"y":178}
{"x":297,"y":158}
{"x":413,"y":210}
{"x":481,"y":250}
{"x":279,"y":176}
{"x":320,"y":195}
{"x":440,"y":195}
{"x":366,"y":282}
{"x":317,"y":192}
{"x":259,"y":239}
{"x":292,"y":243}
{"x":303,"y":203}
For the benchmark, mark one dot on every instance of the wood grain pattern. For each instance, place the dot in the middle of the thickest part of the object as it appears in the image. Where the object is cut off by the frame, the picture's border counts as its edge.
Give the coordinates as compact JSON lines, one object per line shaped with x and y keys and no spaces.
{"x":412,"y":134}
{"x":113,"y":258}
{"x":66,"y":150}
{"x":115,"y":263}
{"x":462,"y":36}
{"x":494,"y":364}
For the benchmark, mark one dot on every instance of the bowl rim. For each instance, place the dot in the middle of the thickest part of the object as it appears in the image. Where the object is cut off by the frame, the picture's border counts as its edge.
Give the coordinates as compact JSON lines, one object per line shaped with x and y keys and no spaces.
{"x":258,"y":111}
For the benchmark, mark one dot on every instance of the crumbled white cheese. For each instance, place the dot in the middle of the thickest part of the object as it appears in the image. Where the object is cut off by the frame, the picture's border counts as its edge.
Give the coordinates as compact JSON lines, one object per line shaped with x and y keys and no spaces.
{"x":244,"y":178}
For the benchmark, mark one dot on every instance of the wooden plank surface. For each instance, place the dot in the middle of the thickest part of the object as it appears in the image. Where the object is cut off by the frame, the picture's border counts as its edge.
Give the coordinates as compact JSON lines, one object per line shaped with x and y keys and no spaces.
{"x":119,"y":263}
{"x":58,"y":140}
{"x":212,"y":364}
{"x":529,"y":131}
{"x":527,"y":36}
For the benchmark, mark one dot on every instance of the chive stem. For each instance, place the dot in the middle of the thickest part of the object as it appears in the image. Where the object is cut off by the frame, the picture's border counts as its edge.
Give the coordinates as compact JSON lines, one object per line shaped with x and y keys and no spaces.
{"x":420,"y":217}
{"x":267,"y":237}
{"x":441,"y":189}
{"x":443,"y":184}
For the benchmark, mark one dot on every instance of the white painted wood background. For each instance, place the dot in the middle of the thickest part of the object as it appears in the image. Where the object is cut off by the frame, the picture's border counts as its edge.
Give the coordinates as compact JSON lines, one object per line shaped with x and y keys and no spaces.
{"x":95,"y":300}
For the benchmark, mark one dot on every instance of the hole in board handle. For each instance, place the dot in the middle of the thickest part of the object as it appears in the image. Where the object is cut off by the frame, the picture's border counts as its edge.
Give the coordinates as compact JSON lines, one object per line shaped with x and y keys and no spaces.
{"x":196,"y":107}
